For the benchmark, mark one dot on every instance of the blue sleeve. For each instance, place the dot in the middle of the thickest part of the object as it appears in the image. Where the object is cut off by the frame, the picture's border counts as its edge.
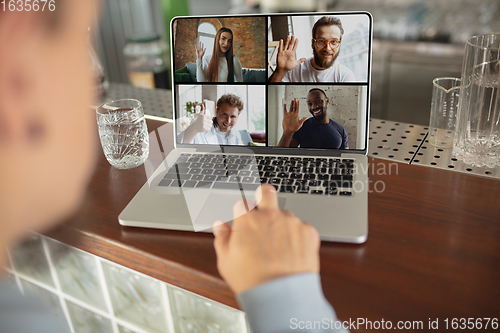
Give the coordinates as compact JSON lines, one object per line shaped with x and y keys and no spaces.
{"x":294,"y":303}
{"x":344,"y":139}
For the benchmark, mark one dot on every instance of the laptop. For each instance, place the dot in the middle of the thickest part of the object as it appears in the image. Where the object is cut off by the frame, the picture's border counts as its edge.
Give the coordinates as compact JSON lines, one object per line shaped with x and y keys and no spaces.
{"x":277,"y":99}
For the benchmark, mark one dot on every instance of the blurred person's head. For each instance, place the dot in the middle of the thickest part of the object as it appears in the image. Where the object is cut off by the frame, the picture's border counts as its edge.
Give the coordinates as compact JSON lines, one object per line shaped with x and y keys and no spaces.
{"x":223,"y":47}
{"x":229,"y":107}
{"x":47,"y":129}
{"x":327,"y":35}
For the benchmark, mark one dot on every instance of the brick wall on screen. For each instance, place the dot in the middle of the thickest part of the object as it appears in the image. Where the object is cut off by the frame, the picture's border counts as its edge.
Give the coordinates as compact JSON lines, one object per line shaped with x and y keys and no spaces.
{"x":249,"y":40}
{"x":185,"y":41}
{"x":343,"y":106}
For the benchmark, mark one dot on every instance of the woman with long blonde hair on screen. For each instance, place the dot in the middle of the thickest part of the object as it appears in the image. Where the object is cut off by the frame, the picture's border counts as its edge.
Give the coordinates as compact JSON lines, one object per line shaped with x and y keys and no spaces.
{"x":222,"y":65}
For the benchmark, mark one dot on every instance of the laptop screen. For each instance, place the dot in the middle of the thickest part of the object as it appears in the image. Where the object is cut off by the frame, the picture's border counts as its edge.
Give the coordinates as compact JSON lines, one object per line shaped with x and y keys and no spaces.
{"x":299,"y":81}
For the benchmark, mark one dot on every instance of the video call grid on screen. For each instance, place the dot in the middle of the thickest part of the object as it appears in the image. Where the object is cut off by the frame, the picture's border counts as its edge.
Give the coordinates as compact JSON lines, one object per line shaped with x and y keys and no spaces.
{"x":253,"y":40}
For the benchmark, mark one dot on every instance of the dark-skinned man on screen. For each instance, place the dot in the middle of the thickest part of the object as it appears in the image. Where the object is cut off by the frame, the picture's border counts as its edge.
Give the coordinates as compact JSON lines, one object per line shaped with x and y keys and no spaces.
{"x":318,"y":131}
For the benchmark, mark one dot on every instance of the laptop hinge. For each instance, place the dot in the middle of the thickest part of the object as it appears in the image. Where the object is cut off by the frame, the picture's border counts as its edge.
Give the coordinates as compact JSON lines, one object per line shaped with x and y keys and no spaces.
{"x":270,"y":150}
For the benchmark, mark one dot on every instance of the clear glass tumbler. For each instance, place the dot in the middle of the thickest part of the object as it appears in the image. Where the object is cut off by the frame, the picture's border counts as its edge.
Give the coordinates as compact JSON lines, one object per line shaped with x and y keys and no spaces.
{"x":123,"y":132}
{"x":477,"y":135}
{"x":445,"y":93}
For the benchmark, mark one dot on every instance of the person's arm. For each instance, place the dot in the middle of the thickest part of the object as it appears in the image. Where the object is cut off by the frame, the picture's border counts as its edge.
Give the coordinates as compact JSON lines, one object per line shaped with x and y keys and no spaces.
{"x":287,"y":303}
{"x":291,"y":124}
{"x":287,"y":140}
{"x":285,"y":60}
{"x":277,"y":286}
{"x":345,"y":144}
{"x":200,"y":68}
{"x":238,"y":71}
{"x":278,"y":75}
{"x":202,"y":123}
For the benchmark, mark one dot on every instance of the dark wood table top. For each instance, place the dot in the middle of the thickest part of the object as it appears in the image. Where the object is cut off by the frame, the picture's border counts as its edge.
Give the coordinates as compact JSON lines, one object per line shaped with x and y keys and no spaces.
{"x":433,"y":249}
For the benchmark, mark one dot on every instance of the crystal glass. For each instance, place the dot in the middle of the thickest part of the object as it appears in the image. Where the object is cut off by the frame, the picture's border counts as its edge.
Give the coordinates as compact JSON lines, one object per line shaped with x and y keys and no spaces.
{"x":123,"y":132}
{"x":477,"y":138}
{"x":445,"y":92}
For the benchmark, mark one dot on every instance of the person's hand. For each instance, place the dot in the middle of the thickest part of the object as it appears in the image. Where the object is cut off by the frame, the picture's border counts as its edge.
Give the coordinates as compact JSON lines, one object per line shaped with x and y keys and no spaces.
{"x":200,"y":50}
{"x":264,"y":244}
{"x":291,"y":121}
{"x":203,"y":122}
{"x":286,"y":55}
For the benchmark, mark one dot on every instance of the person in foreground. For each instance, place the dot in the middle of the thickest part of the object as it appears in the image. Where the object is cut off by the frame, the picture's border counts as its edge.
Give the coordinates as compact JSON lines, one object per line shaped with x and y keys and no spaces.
{"x":327,"y":35}
{"x":270,"y":259}
{"x":47,"y":135}
{"x":48,"y":142}
{"x":222,"y":65}
{"x":216,"y":130}
{"x":318,"y":131}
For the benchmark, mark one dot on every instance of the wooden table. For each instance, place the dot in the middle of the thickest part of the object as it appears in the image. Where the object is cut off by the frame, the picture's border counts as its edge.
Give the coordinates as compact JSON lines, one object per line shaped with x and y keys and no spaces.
{"x":433,"y":249}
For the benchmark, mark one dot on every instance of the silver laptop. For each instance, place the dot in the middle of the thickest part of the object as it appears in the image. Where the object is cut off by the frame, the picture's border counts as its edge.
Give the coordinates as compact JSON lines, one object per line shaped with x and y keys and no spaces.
{"x":277,"y":99}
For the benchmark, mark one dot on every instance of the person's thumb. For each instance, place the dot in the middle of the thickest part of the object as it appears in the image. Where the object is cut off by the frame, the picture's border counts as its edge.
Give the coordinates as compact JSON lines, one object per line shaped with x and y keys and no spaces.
{"x":222,"y":233}
{"x":302,"y":120}
{"x":301,"y":60}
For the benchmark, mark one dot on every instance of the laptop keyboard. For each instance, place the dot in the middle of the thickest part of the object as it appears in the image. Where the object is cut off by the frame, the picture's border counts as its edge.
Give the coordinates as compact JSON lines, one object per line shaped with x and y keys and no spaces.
{"x":305,"y":175}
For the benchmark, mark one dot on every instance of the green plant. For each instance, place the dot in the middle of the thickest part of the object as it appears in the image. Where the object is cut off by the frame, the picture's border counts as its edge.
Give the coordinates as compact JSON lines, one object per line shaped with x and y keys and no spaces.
{"x":190,"y":108}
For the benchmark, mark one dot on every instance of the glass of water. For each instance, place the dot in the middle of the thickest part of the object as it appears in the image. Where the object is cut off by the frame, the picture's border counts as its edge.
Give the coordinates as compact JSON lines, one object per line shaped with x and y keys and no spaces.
{"x":477,"y":137}
{"x":123,"y":132}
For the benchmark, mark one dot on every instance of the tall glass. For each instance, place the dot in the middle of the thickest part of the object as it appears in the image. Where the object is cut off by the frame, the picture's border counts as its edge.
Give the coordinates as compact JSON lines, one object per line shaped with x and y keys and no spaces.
{"x":445,"y":95}
{"x":477,"y":138}
{"x":123,"y":132}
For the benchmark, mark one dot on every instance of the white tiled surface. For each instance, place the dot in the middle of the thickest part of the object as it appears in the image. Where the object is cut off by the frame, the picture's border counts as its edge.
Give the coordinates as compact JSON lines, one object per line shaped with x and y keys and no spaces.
{"x":136,"y":298}
{"x":30,"y":260}
{"x":95,"y":295}
{"x":196,"y":314}
{"x":87,"y":321}
{"x":77,"y":273}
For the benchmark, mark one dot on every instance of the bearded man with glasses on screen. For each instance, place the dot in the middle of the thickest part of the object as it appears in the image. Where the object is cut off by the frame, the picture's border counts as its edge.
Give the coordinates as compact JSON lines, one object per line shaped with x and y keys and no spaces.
{"x":327,"y":35}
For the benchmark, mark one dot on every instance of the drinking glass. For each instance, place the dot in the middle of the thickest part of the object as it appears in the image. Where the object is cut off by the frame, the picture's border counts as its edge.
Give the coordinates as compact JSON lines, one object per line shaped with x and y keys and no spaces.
{"x":445,"y":93}
{"x":123,"y":132}
{"x":477,"y":137}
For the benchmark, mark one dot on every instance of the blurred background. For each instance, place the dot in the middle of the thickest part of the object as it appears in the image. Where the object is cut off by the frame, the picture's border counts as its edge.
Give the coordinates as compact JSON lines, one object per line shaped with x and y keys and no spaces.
{"x":415,"y":41}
